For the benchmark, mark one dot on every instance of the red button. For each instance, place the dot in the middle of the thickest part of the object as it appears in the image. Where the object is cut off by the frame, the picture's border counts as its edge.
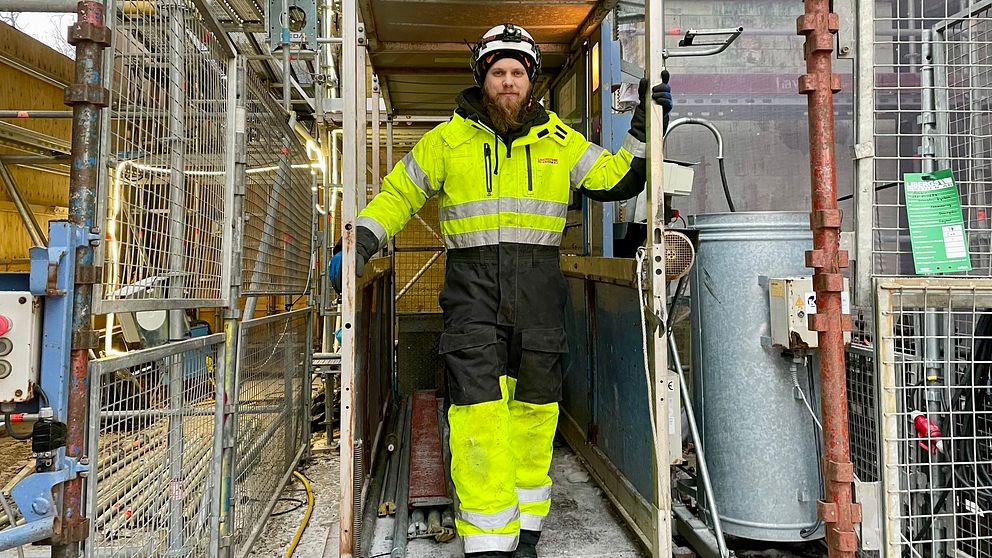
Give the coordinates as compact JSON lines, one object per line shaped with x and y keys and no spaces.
{"x":4,"y":325}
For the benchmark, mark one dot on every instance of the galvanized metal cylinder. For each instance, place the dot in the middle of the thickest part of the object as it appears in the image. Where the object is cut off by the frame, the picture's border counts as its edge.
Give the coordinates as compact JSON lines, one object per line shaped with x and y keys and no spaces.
{"x":759,"y":438}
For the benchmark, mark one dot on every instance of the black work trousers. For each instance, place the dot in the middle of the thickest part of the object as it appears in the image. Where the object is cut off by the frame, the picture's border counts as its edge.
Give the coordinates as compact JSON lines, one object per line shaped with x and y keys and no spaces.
{"x":504,"y":314}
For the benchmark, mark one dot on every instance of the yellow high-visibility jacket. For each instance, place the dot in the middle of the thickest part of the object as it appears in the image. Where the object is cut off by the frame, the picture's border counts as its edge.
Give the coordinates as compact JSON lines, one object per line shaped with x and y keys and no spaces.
{"x":490,"y":193}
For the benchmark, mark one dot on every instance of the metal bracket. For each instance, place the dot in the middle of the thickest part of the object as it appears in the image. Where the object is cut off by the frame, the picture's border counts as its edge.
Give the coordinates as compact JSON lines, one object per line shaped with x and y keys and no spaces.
{"x":86,"y":339}
{"x":868,"y":494}
{"x":361,"y":34}
{"x":89,"y":32}
{"x":689,"y":47}
{"x":88,"y":274}
{"x":847,"y":32}
{"x":44,"y":277}
{"x":92,"y":94}
{"x":865,"y":150}
{"x":33,"y":495}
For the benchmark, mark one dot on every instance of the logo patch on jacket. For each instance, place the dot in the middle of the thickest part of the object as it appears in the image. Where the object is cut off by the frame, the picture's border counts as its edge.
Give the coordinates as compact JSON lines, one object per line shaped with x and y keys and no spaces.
{"x":548,"y":161}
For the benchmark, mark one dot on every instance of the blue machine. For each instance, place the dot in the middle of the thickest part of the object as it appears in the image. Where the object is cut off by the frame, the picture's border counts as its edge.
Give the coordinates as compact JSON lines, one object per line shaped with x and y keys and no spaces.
{"x":52,"y":278}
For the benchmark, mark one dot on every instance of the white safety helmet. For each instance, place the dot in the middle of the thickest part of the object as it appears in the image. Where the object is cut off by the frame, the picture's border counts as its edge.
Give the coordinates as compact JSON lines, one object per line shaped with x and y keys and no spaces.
{"x":506,"y":41}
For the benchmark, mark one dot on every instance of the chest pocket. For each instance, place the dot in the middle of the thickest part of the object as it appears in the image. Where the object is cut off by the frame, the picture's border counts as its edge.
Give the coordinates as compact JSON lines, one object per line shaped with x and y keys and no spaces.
{"x":545,"y":172}
{"x":467,"y":178}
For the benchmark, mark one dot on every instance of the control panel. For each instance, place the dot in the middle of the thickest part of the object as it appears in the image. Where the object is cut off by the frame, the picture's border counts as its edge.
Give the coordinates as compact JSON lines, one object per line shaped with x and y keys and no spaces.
{"x":20,"y":345}
{"x":791,"y":301}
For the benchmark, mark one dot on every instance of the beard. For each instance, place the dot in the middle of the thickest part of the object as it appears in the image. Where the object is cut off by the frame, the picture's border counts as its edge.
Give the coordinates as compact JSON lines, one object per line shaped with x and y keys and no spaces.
{"x":505,"y":113}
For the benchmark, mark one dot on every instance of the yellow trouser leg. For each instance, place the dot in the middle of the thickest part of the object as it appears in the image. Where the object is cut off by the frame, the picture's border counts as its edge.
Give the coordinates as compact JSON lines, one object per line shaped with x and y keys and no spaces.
{"x":532,"y":432}
{"x":482,"y":468}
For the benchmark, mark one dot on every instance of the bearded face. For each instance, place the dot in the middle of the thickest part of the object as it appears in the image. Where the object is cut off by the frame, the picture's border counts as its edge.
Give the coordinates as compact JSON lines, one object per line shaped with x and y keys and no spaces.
{"x":506,"y":94}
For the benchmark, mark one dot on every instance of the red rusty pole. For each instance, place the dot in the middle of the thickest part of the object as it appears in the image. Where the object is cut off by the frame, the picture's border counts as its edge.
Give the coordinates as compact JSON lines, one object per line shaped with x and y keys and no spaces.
{"x":838,"y":512}
{"x":87,"y":97}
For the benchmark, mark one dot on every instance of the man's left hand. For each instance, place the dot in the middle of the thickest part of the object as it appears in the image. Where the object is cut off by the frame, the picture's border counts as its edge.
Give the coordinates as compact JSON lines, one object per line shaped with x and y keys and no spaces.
{"x":661,"y":93}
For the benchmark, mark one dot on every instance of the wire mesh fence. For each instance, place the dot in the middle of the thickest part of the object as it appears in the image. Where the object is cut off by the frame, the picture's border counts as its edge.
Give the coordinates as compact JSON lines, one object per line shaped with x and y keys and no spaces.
{"x":931,"y":85}
{"x":278,"y":209}
{"x":166,"y":162}
{"x":934,"y":372}
{"x":271,"y":415}
{"x":420,"y":262}
{"x":152,"y":491}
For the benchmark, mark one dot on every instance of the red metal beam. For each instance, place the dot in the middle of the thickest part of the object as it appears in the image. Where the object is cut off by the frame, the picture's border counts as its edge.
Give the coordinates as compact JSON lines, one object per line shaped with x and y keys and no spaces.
{"x":428,"y":481}
{"x":838,"y":512}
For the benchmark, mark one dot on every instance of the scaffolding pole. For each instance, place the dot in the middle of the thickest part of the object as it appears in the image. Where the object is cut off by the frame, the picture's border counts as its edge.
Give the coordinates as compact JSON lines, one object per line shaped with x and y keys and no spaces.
{"x":657,"y":291}
{"x":838,"y":512}
{"x":52,"y":6}
{"x":87,"y":97}
{"x":353,"y":192}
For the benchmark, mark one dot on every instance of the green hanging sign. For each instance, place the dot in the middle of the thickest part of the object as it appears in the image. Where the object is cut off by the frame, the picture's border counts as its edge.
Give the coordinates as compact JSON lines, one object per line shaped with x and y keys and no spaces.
{"x":936,"y":224}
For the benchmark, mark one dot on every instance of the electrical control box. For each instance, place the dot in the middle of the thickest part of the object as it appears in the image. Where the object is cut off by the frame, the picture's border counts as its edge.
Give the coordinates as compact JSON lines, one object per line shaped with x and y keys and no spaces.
{"x":301,"y":23}
{"x":678,"y":178}
{"x":678,"y":182}
{"x":20,"y":345}
{"x":791,"y":300}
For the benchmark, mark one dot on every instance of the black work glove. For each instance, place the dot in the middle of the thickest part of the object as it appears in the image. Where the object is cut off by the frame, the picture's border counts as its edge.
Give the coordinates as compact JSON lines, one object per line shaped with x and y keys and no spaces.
{"x":661,"y":94}
{"x":366,"y":245}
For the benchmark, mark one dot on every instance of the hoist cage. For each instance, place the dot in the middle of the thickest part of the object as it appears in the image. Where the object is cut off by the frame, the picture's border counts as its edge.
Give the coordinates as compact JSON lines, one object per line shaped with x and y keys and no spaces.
{"x":205,"y":196}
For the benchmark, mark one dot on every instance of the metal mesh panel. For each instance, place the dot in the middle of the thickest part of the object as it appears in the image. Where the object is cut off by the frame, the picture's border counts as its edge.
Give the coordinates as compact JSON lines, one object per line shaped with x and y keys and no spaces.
{"x":152,"y":425}
{"x":935,"y":351}
{"x":420,"y":262}
{"x":273,"y":369}
{"x":166,"y":161}
{"x":278,"y":212}
{"x":932,"y":82}
{"x":862,"y":411}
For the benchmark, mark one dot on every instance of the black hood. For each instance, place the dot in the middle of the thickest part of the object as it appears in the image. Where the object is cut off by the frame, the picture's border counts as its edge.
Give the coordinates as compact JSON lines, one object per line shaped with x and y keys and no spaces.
{"x":470,"y":107}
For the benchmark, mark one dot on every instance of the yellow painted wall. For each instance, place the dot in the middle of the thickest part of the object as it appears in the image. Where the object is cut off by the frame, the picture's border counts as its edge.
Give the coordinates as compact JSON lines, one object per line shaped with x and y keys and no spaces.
{"x":47,"y":192}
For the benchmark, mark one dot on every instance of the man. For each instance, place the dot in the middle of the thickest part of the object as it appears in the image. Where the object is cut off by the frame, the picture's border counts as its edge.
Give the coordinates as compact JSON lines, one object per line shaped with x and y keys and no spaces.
{"x":503,"y":168}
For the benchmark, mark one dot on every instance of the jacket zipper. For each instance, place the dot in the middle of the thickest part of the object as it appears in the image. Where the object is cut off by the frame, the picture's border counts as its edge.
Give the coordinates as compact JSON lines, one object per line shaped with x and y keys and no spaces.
{"x":487,"y":154}
{"x":530,"y":171}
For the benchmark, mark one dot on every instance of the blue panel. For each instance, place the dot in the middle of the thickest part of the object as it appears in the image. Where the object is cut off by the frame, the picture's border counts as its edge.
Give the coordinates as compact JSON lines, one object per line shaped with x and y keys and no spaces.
{"x":622,"y":397}
{"x":577,"y":379}
{"x":14,"y":281}
{"x":614,"y":125}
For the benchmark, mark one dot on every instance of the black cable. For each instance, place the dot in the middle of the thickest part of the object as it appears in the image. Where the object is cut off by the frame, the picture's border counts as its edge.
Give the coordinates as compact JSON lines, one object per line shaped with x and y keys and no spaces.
{"x":299,"y":504}
{"x":10,"y":431}
{"x":918,"y":537}
{"x":818,"y":442}
{"x":42,"y":394}
{"x":726,"y":188}
{"x":878,"y":189}
{"x":679,"y":290}
{"x":964,"y":406}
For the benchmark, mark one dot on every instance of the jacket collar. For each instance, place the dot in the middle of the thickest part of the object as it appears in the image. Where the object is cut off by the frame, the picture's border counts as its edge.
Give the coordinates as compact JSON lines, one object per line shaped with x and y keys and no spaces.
{"x":470,"y":108}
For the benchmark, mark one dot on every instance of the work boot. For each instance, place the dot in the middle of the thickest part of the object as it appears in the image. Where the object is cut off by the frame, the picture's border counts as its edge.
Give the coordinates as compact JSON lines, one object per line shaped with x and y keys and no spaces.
{"x":527,"y":547}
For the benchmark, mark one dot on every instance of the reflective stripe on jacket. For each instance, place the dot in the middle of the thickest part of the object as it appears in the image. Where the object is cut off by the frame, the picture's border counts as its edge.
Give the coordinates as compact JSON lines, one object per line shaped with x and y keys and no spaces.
{"x":489,"y":194}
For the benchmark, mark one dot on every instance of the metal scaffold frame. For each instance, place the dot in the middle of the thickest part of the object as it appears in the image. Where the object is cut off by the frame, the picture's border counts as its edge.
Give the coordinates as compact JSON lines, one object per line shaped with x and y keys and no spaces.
{"x":171,"y":429}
